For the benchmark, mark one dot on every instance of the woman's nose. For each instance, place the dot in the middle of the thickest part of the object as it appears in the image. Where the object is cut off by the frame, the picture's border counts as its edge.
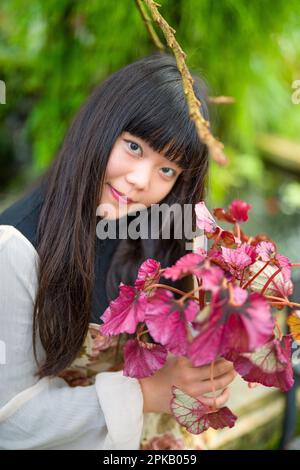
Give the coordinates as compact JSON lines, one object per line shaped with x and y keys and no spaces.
{"x":140,"y":178}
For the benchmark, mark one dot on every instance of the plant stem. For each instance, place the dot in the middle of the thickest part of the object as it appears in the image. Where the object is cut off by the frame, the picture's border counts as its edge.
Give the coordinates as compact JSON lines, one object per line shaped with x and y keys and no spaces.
{"x":188,"y":294}
{"x":164,"y":286}
{"x":202,"y":299}
{"x":279,"y":331}
{"x":173,"y":289}
{"x":237,"y":230}
{"x":284,"y":302}
{"x":217,"y":239}
{"x":242,"y":277}
{"x":213,"y":384}
{"x":142,"y":333}
{"x":148,"y":23}
{"x":280,"y":299}
{"x":270,"y":280}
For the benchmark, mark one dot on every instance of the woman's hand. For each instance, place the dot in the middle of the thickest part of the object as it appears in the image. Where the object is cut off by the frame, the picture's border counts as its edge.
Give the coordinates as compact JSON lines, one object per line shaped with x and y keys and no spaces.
{"x":195,"y":381}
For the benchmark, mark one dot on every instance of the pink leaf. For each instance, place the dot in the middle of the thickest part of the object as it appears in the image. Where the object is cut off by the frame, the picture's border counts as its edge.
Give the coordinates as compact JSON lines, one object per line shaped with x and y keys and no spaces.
{"x":197,"y":417}
{"x":266,"y":250}
{"x":211,"y":278}
{"x":241,"y":328}
{"x":250,"y":251}
{"x":204,"y":219}
{"x":236,"y":260}
{"x":240,"y":295}
{"x":269,"y":365}
{"x":187,"y":264}
{"x":148,"y":274}
{"x":143,"y":359}
{"x":191,"y":311}
{"x":215,"y":256}
{"x":125,"y":312}
{"x":167,"y":322}
{"x":286,"y":266}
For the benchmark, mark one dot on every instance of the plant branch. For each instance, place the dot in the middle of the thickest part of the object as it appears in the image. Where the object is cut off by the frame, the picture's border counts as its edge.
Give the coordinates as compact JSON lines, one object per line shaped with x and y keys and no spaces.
{"x":202,"y":125}
{"x":155,"y":39}
{"x":283,"y":302}
{"x":189,"y":294}
{"x":237,"y":229}
{"x":165,"y":286}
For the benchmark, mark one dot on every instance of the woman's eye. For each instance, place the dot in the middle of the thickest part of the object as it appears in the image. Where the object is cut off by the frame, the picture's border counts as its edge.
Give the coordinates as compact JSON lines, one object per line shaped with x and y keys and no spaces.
{"x":173,"y":172}
{"x":133,"y":146}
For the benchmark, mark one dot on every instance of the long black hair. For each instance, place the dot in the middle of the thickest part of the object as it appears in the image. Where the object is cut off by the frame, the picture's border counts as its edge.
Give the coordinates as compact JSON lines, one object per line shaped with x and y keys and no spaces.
{"x":145,"y":98}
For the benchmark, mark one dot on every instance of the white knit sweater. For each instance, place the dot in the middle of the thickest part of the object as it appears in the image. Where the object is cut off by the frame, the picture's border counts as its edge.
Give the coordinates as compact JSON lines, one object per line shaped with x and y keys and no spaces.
{"x":47,"y":413}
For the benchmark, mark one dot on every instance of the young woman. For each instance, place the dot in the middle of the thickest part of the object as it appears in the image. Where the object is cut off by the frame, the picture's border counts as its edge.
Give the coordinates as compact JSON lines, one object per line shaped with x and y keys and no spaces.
{"x":131,"y":141}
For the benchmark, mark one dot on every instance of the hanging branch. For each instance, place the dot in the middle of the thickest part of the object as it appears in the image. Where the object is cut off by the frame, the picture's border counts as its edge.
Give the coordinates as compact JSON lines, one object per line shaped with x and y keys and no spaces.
{"x":156,"y":41}
{"x":202,"y":125}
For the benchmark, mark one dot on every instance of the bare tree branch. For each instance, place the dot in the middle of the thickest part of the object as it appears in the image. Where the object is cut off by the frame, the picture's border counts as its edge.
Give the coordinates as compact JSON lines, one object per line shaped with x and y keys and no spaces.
{"x":203,"y":127}
{"x":156,"y":41}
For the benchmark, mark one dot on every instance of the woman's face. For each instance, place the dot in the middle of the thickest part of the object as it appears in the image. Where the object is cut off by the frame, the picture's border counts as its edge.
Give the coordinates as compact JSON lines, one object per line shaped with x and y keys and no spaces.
{"x":134,"y":169}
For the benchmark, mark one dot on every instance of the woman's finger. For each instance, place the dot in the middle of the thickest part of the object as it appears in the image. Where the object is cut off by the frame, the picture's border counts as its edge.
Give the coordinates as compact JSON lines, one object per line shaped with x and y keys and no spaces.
{"x":207,"y":386}
{"x":219,"y":401}
{"x":221,"y":367}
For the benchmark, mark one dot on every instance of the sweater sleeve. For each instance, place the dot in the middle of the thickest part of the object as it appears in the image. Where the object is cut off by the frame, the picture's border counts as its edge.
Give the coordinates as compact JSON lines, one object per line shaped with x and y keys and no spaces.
{"x":47,"y":413}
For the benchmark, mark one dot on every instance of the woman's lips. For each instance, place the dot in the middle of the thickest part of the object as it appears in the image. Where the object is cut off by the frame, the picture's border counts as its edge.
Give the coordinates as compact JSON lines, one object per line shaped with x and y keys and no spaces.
{"x":118,"y":196}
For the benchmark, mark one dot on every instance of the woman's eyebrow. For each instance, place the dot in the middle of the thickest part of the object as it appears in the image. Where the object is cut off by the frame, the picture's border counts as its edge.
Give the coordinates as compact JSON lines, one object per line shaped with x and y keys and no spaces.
{"x":145,"y":144}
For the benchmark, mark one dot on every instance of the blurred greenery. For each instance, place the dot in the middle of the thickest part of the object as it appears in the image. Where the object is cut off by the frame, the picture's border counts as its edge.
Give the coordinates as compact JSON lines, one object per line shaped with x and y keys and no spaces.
{"x":52,"y":54}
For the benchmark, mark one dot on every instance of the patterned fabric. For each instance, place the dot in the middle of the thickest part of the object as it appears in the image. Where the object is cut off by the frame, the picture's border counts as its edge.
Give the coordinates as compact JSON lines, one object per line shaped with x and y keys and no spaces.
{"x":102,"y":354}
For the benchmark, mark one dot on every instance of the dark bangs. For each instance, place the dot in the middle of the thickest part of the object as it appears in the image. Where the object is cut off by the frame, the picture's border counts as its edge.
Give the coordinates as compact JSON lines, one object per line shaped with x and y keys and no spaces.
{"x":159,"y":115}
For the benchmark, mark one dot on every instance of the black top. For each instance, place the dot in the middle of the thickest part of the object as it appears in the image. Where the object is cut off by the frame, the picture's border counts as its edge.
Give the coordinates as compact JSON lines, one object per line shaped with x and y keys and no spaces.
{"x":24,"y":216}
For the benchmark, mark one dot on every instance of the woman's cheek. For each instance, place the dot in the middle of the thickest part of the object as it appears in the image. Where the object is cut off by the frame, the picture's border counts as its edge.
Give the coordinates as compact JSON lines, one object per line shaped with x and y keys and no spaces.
{"x":161,"y":194}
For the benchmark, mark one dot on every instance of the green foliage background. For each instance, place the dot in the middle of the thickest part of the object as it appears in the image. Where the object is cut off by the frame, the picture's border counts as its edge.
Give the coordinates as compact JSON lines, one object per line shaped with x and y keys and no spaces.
{"x":53,"y":52}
